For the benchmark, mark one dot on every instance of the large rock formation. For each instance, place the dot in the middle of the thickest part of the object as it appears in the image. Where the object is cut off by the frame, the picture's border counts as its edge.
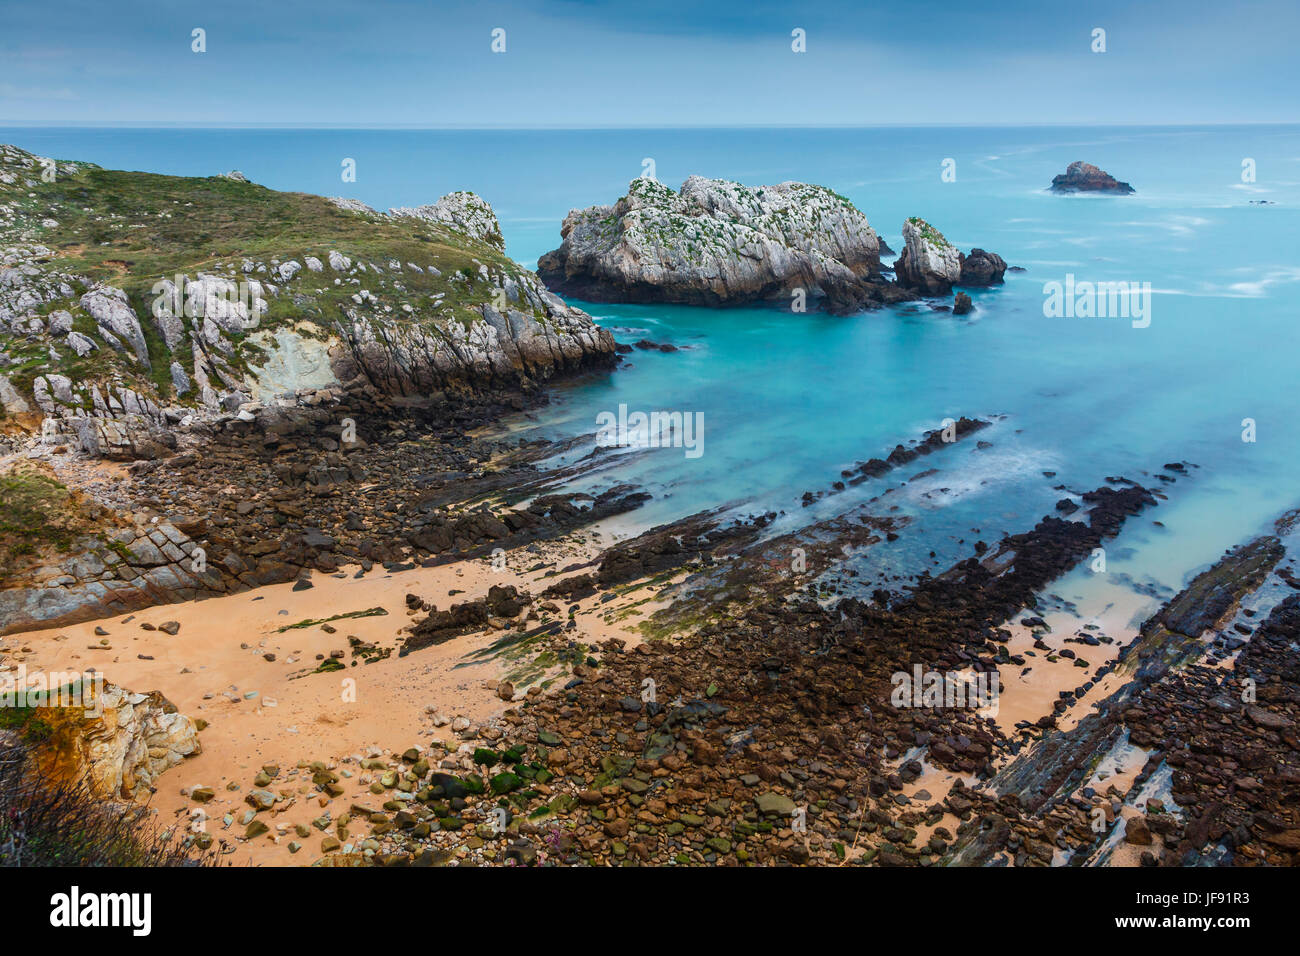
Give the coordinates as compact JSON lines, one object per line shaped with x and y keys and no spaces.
{"x":932,"y":265}
{"x":113,"y":571}
{"x":1081,"y":177}
{"x":716,"y":242}
{"x":133,"y":740}
{"x":411,"y":304}
{"x":532,"y":336}
{"x":928,"y":263}
{"x":465,"y":212}
{"x":116,"y":741}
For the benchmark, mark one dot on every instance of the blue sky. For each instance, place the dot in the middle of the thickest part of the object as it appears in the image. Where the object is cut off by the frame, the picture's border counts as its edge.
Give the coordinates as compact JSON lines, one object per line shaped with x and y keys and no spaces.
{"x":682,"y":63}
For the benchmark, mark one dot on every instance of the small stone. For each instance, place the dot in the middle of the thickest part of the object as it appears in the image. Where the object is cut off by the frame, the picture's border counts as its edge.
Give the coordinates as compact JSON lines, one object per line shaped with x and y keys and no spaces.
{"x":255,"y":829}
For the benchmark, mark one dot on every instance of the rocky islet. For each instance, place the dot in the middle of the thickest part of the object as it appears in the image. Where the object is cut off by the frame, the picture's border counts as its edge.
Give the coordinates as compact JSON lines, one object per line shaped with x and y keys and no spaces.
{"x":717,"y":243}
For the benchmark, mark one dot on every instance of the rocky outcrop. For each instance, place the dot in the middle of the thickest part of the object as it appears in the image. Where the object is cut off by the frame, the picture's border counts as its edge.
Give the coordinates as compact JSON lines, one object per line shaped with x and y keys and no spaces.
{"x":133,"y":740}
{"x":115,"y":741}
{"x":982,"y":268}
{"x":931,"y":265}
{"x":111,"y":310}
{"x":536,"y":335}
{"x":116,"y":423}
{"x":1081,"y":177}
{"x":716,"y":242}
{"x":440,"y":308}
{"x":111,"y":573}
{"x":12,"y":402}
{"x":928,"y":263}
{"x":465,"y":212}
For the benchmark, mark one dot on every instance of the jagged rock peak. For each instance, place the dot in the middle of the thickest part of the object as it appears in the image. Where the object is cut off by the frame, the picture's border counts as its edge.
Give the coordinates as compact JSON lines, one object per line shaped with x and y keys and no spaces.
{"x":928,"y":263}
{"x":931,"y":265}
{"x":463,"y":211}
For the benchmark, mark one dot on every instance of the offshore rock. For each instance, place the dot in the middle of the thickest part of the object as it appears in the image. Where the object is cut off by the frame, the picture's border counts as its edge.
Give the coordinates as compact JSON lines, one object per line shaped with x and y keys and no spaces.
{"x":716,"y":242}
{"x":1081,"y":177}
{"x":931,"y":265}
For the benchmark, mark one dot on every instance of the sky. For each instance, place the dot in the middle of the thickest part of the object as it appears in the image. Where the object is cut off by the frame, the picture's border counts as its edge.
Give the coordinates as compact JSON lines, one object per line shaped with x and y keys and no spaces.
{"x":637,"y":63}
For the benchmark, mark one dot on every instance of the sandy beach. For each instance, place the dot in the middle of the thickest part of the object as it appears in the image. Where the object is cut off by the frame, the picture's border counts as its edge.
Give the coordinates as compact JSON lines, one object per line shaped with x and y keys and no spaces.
{"x":239,"y":663}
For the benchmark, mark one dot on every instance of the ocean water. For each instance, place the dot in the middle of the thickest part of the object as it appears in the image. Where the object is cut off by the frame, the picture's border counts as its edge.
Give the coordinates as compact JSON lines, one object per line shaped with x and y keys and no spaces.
{"x":790,"y":399}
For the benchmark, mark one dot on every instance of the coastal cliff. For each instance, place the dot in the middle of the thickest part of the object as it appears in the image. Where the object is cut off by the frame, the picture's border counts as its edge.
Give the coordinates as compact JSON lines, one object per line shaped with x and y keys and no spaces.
{"x":131,"y":303}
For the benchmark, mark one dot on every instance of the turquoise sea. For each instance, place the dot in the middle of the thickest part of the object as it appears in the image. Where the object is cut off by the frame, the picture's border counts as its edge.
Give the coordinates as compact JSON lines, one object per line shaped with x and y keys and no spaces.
{"x":789,"y":400}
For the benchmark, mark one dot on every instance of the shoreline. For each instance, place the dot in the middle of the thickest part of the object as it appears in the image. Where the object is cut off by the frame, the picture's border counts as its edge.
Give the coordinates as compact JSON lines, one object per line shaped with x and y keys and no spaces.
{"x":400,"y":637}
{"x":238,"y":664}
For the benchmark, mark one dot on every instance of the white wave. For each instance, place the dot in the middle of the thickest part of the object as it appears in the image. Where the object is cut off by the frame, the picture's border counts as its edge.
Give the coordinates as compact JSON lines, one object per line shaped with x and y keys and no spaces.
{"x":1259,"y":287}
{"x":1178,"y":225}
{"x":982,"y":471}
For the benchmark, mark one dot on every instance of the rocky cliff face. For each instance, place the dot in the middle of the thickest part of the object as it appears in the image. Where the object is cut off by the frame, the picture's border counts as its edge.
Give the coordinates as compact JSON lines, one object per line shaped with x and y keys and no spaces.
{"x":930,"y":264}
{"x":112,"y":572}
{"x":1081,"y":177}
{"x":121,"y":318}
{"x":715,"y":242}
{"x":115,"y":740}
{"x":133,"y":741}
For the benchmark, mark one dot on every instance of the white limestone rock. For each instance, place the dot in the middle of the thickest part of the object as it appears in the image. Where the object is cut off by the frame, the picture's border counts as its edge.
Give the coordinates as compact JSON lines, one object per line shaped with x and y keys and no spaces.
{"x":929,"y":263}
{"x":111,"y":310}
{"x":60,"y":322}
{"x":465,"y":212}
{"x":11,"y":399}
{"x":83,"y":345}
{"x":717,"y":242}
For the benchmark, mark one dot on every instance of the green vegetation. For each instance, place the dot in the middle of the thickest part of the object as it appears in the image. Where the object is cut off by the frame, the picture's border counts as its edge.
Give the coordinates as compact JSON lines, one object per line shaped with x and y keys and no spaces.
{"x":134,"y":229}
{"x":38,"y":514}
{"x":929,"y":233}
{"x":369,"y":612}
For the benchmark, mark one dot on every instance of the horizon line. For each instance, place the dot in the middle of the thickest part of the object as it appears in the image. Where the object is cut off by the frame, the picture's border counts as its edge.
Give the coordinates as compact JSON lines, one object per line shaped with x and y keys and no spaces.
{"x":454,"y":127}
